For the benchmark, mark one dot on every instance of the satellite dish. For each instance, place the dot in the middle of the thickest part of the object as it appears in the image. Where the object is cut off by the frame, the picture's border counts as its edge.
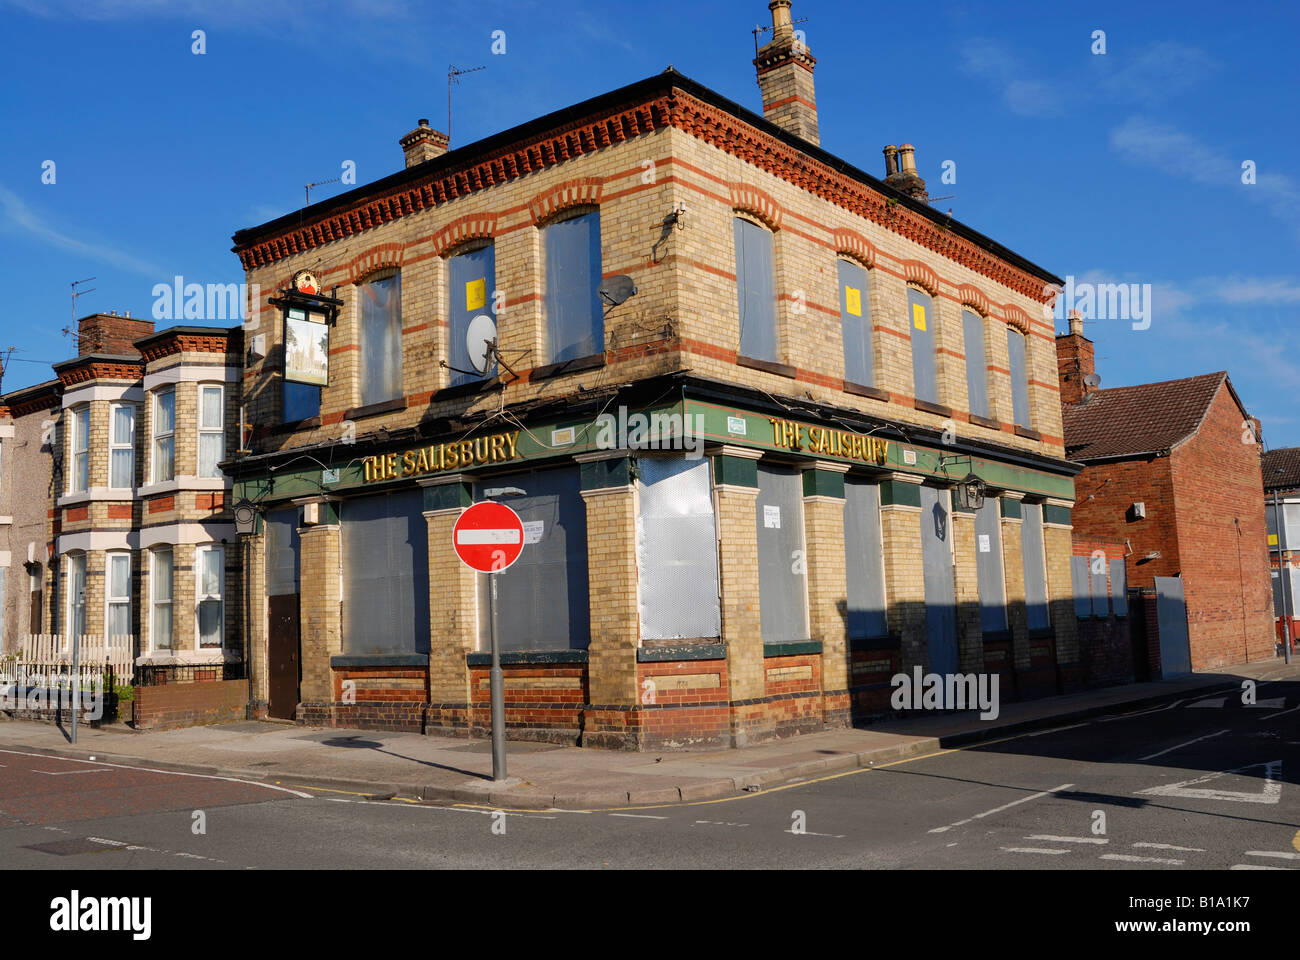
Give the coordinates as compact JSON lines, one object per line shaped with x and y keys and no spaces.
{"x":479,"y":338}
{"x":1092,"y":380}
{"x":617,"y":289}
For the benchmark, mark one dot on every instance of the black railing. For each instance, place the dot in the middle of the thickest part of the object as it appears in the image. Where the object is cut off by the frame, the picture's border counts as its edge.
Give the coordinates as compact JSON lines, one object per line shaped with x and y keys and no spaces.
{"x":159,"y":674}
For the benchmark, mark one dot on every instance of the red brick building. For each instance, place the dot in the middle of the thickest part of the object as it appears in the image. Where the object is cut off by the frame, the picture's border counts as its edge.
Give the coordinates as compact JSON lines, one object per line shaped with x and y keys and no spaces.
{"x":1173,"y":470}
{"x":1281,"y":469}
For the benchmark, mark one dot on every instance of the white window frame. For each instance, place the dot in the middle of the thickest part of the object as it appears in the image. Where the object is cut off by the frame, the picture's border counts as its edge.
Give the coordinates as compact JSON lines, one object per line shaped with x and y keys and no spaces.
{"x":110,"y":600}
{"x":114,"y":446}
{"x":156,"y":436}
{"x":71,"y":598}
{"x":200,"y":597}
{"x":154,"y":603}
{"x":219,"y":430}
{"x":79,"y":455}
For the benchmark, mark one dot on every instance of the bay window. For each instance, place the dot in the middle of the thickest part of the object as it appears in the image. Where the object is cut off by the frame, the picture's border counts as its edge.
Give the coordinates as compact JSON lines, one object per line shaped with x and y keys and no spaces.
{"x":212,"y":435}
{"x":164,"y":435}
{"x":209,"y":594}
{"x":121,"y":447}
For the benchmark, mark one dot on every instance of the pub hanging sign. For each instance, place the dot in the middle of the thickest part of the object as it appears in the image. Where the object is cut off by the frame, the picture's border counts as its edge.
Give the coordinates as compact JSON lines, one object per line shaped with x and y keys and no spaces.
{"x":308,"y":316}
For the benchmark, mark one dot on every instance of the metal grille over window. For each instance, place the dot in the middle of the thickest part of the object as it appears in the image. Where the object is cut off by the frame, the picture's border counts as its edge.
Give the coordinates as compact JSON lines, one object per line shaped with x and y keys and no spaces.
{"x":1081,"y":580}
{"x":977,"y":374}
{"x":385,"y":574}
{"x":864,"y":559}
{"x":472,"y":280}
{"x":381,"y":340}
{"x":575,"y":321}
{"x":1035,"y":569}
{"x":783,"y":594}
{"x":988,"y":565}
{"x":756,"y":290}
{"x":921,"y":322}
{"x":855,"y":322}
{"x":122,"y":447}
{"x":164,"y":436}
{"x":676,"y":545}
{"x":1119,"y":587}
{"x":1019,"y":377}
{"x":542,"y":599}
{"x":212,"y":437}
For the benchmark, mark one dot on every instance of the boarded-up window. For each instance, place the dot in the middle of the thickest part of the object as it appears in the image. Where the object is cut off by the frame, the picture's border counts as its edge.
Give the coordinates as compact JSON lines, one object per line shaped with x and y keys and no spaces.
{"x":542,"y":599}
{"x":783,"y":595}
{"x":940,"y":588}
{"x":381,"y":340}
{"x":756,"y":290}
{"x":855,"y":321}
{"x":385,"y":551}
{"x":471,"y":279}
{"x":864,"y":559}
{"x":1019,"y":377}
{"x":977,"y":370}
{"x":1097,"y":574}
{"x":575,"y":324}
{"x":921,"y":321}
{"x":282,"y":551}
{"x":1119,"y":587}
{"x":988,"y":566}
{"x":1035,"y":566}
{"x":676,"y":547}
{"x":1081,"y":582}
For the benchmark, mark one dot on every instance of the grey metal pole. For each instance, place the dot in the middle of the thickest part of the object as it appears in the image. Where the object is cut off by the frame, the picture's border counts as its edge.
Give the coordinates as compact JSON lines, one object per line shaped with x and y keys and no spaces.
{"x":1283,"y":580}
{"x":497,"y":689}
{"x":75,"y":683}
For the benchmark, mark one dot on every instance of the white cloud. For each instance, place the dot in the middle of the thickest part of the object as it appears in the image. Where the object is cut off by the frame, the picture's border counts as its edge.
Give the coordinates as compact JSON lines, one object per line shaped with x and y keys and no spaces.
{"x":1021,"y":93}
{"x":1155,"y":73}
{"x":19,"y":215}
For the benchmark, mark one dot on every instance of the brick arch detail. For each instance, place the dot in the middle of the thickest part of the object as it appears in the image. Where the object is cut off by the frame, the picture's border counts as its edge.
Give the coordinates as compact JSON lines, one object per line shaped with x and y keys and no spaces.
{"x":914,"y":271}
{"x":850,"y":243}
{"x":757,"y":203}
{"x":973,"y":297}
{"x":579,"y":192}
{"x":474,"y":226}
{"x":1016,"y":317}
{"x":383,"y":256}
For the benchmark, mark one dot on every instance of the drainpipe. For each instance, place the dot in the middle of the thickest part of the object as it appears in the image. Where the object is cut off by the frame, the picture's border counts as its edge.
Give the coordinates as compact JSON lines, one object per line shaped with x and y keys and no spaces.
{"x":1282,"y":579}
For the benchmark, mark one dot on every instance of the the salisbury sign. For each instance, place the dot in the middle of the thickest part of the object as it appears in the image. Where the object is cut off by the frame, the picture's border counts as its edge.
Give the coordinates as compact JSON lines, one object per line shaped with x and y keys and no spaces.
{"x":835,"y":443}
{"x":457,"y":454}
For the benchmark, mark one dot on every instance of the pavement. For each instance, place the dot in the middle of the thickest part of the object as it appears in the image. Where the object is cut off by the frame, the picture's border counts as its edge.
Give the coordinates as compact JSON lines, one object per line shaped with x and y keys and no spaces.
{"x":550,"y":776}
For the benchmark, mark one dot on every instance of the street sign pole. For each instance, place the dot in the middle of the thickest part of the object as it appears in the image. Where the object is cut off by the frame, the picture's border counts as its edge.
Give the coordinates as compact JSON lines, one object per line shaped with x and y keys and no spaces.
{"x":497,"y":689}
{"x":75,"y":684}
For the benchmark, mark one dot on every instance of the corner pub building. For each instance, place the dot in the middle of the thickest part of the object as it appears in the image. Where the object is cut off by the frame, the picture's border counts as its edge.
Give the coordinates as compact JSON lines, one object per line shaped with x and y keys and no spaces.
{"x":845,"y":354}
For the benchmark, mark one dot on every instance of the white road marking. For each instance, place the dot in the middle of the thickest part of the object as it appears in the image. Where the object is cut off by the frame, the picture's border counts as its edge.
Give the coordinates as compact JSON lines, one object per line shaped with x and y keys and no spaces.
{"x":1213,"y":702}
{"x":1043,"y":733}
{"x":1168,"y":846}
{"x":1275,"y":703}
{"x":1143,"y":713}
{"x":1271,"y":793}
{"x":1033,"y":850}
{"x":1005,"y":806}
{"x":421,"y":806}
{"x":64,"y":773}
{"x":1179,"y":746}
{"x":1253,"y":866}
{"x":1279,"y":854}
{"x":1126,"y":858}
{"x":1274,"y":716}
{"x":722,"y":823}
{"x":170,"y":773}
{"x":809,"y":833}
{"x":1048,"y":836}
{"x":638,"y":816}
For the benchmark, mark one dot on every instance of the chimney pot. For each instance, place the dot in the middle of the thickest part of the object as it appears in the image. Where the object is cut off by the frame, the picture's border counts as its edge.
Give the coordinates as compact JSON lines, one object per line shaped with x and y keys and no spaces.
{"x":907,"y":158}
{"x":891,"y":160}
{"x":1076,"y":324}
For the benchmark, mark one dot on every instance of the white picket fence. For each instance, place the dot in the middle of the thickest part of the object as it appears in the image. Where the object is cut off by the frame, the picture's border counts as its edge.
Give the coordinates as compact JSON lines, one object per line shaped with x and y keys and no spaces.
{"x":47,"y":658}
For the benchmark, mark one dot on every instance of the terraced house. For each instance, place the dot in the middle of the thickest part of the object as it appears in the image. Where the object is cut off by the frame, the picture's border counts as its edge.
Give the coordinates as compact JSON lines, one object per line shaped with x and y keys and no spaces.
{"x":844,"y":354}
{"x":139,"y":542}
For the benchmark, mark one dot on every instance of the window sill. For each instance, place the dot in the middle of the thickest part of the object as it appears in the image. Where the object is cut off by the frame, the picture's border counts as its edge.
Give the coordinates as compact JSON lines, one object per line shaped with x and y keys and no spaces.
{"x":1027,"y":433}
{"x":345,"y":661}
{"x":792,"y":648}
{"x":374,"y":409}
{"x":576,"y":365}
{"x":767,"y":366}
{"x":862,"y":390}
{"x":926,"y":406}
{"x":307,"y":423}
{"x":681,"y":651}
{"x":519,"y":657}
{"x":200,"y":484}
{"x":985,"y":422}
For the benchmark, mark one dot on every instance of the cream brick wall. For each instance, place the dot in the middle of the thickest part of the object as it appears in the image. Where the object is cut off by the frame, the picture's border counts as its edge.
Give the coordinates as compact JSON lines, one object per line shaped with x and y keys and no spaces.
{"x":321,"y":624}
{"x":453,"y":597}
{"x":823,"y":519}
{"x":612,"y":573}
{"x":738,"y":585}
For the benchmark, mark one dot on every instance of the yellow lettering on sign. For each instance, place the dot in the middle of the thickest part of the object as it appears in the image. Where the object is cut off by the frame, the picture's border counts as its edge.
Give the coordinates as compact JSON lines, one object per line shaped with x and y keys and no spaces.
{"x":476,"y":294}
{"x":918,"y":316}
{"x":853,"y":300}
{"x":408,"y":463}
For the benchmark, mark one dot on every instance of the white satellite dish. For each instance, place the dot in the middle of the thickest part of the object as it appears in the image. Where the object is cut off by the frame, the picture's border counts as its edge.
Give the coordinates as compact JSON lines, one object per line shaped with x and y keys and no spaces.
{"x":479,"y":338}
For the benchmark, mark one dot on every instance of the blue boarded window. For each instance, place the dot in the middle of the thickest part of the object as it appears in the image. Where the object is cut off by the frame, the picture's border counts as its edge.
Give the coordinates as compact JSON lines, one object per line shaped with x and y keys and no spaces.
{"x":381,"y":339}
{"x":471,"y":280}
{"x":575,"y":321}
{"x":864,"y":560}
{"x":1035,"y":561}
{"x":756,"y":291}
{"x":855,"y":320}
{"x":1019,"y":377}
{"x":921,"y":321}
{"x":977,"y":367}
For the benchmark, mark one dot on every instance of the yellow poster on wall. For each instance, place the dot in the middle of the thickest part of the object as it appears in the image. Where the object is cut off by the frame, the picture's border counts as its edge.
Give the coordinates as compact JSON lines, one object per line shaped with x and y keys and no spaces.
{"x":476,"y":294}
{"x":853,"y":301}
{"x":918,"y":316}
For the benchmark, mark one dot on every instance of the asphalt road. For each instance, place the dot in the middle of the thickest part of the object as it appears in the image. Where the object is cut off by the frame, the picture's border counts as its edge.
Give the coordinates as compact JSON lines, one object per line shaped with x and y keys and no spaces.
{"x":1197,"y":784}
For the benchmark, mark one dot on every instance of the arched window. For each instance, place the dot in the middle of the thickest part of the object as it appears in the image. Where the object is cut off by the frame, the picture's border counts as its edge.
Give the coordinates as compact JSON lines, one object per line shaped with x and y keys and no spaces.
{"x":977,"y":364}
{"x":1019,"y":377}
{"x":381,"y":339}
{"x":855,"y":321}
{"x":471,"y":281}
{"x":921,"y":323}
{"x":756,"y":291}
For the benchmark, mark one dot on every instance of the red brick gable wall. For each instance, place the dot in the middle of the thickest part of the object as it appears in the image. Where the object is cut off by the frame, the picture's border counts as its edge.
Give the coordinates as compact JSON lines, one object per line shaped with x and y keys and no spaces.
{"x":1103,"y":494}
{"x":1225,"y":563}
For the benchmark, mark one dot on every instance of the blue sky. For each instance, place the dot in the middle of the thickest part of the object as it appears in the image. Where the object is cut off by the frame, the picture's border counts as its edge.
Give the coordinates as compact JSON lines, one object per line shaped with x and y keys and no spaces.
{"x":1122,"y":167}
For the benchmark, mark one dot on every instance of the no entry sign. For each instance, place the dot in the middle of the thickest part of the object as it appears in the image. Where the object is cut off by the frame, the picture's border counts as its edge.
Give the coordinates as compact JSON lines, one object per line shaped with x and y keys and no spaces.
{"x":488,"y":537}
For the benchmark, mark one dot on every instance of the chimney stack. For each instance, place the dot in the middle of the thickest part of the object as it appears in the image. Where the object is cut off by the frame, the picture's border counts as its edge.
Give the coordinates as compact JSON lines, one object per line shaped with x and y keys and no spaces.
{"x":785,"y":77}
{"x":423,"y":143}
{"x":109,"y":333}
{"x":1074,"y":362}
{"x":900,"y":172}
